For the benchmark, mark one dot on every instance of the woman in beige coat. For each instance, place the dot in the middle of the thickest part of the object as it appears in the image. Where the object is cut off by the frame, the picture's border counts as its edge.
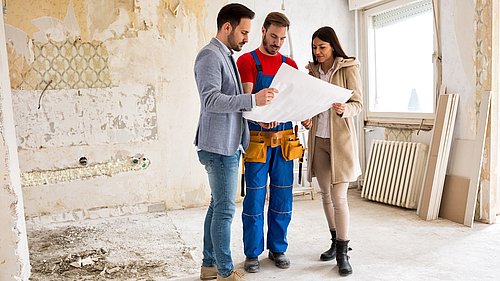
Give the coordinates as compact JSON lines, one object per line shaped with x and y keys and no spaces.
{"x":333,"y":156}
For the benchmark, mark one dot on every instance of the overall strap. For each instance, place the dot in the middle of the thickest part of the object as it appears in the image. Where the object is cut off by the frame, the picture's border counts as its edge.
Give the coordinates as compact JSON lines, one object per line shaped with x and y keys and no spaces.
{"x":258,"y":65}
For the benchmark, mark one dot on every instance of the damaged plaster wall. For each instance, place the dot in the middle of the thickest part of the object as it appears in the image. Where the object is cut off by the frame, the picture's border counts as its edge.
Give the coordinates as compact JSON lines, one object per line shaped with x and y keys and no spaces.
{"x":467,"y":43}
{"x":110,"y":80}
{"x":14,"y":257}
{"x":484,"y":59}
{"x":86,"y":117}
{"x":106,"y":80}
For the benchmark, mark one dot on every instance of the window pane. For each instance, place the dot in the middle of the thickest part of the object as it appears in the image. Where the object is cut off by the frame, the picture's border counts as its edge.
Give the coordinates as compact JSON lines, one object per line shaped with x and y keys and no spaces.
{"x":403,"y":69}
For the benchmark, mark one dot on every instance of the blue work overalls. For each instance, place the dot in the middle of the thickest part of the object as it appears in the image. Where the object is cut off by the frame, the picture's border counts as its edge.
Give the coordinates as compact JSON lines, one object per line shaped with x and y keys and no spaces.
{"x":280,"y":173}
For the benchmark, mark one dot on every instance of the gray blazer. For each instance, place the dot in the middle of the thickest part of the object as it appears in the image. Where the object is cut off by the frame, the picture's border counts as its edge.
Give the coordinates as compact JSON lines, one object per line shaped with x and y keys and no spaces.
{"x":221,"y":127}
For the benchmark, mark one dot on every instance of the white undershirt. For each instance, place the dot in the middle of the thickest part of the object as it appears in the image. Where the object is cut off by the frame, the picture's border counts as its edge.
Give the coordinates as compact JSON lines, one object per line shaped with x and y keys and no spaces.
{"x":323,"y":129}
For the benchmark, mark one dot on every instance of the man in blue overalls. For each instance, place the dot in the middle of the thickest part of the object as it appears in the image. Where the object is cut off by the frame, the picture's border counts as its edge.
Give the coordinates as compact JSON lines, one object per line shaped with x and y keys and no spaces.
{"x":257,"y":70}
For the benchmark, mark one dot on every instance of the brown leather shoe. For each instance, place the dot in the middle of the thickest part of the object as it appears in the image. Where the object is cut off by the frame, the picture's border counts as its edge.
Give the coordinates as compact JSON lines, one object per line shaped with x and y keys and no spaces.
{"x":208,"y":273}
{"x":235,"y":276}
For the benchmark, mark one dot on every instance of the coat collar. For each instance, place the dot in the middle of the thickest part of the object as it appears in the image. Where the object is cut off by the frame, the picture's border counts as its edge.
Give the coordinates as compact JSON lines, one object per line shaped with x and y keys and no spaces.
{"x":222,"y":46}
{"x":339,"y":63}
{"x":227,"y":55}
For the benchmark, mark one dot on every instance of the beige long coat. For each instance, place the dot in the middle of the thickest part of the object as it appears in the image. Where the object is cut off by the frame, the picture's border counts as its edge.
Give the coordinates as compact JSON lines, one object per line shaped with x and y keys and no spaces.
{"x":343,"y":143}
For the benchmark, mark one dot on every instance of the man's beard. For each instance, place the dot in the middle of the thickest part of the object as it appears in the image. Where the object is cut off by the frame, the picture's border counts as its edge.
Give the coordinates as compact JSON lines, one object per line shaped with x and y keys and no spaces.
{"x":234,"y":45}
{"x":269,"y":48}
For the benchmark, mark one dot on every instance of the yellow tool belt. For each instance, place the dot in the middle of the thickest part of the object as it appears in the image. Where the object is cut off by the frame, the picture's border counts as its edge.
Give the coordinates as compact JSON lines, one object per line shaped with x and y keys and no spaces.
{"x":272,"y":139}
{"x":260,"y":141}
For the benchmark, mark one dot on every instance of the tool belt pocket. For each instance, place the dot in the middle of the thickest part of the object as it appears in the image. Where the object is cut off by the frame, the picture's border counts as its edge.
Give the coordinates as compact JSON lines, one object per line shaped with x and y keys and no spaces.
{"x":292,"y":149}
{"x":257,"y":150}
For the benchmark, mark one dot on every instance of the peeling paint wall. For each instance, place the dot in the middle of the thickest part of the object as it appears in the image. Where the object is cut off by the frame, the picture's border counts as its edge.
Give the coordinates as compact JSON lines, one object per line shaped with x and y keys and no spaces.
{"x":102,"y":14}
{"x":46,"y":16}
{"x":118,"y":81}
{"x":171,"y":13}
{"x":59,"y":118}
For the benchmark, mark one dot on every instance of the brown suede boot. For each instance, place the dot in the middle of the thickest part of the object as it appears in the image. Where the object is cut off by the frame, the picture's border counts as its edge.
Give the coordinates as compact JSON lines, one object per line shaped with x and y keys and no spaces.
{"x":208,"y":273}
{"x":235,"y":276}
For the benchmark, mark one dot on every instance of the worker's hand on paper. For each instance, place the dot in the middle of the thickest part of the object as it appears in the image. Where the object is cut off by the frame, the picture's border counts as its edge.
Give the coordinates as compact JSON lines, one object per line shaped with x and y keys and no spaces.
{"x":339,"y":108}
{"x":307,"y":123}
{"x":269,"y":125}
{"x":265,"y":96}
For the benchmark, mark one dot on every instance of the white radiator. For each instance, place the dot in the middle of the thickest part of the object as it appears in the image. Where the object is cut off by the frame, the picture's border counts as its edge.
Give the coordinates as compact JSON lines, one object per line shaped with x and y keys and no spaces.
{"x":394,"y":174}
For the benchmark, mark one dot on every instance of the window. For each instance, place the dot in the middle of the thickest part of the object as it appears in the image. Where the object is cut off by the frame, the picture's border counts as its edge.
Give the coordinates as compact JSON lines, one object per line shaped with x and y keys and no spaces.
{"x":400,"y":47}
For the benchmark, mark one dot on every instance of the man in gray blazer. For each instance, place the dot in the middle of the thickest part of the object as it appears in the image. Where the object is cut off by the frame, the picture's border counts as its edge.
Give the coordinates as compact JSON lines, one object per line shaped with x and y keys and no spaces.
{"x":223,"y":134}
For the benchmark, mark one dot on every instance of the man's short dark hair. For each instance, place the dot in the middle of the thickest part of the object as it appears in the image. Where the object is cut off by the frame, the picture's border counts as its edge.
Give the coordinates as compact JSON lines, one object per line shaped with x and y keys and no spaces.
{"x":276,"y":18}
{"x":233,"y":13}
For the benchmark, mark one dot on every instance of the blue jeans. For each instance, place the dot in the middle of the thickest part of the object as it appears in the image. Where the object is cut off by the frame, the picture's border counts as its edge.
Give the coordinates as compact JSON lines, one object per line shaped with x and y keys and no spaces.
{"x":223,"y":179}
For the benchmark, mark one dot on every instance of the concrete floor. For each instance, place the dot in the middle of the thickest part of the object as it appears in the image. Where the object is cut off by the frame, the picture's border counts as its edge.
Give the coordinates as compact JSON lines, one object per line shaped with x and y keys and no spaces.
{"x":389,"y":243}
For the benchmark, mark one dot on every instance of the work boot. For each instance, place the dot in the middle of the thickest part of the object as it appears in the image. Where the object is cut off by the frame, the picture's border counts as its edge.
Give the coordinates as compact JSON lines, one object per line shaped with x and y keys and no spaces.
{"x":208,"y":272}
{"x":342,"y":257}
{"x":329,"y":254}
{"x":280,"y":260}
{"x":252,"y":265}
{"x":234,"y":276}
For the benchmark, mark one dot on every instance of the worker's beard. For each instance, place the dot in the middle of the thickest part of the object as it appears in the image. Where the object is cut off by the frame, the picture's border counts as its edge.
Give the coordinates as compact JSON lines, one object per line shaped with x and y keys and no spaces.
{"x":270,"y":49}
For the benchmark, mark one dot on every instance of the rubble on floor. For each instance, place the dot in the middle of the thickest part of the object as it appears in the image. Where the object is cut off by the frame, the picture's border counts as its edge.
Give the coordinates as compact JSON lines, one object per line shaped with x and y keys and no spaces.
{"x":145,"y":247}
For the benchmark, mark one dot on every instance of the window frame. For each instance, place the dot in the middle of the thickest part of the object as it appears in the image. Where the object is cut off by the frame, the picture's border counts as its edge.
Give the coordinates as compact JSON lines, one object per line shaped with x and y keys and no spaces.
{"x":366,"y":55}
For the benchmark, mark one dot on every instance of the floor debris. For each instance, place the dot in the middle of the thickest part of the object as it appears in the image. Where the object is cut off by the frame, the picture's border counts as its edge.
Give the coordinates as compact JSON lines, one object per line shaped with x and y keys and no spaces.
{"x":145,"y":247}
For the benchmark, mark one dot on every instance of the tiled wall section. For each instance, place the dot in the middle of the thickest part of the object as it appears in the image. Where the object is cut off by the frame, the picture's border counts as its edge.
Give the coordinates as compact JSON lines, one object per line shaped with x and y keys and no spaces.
{"x":71,"y":64}
{"x":115,"y":115}
{"x":397,"y":134}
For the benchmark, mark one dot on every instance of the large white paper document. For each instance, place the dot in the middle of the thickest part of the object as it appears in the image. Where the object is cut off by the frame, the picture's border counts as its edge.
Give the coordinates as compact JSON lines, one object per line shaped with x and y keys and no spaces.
{"x":300,"y":97}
